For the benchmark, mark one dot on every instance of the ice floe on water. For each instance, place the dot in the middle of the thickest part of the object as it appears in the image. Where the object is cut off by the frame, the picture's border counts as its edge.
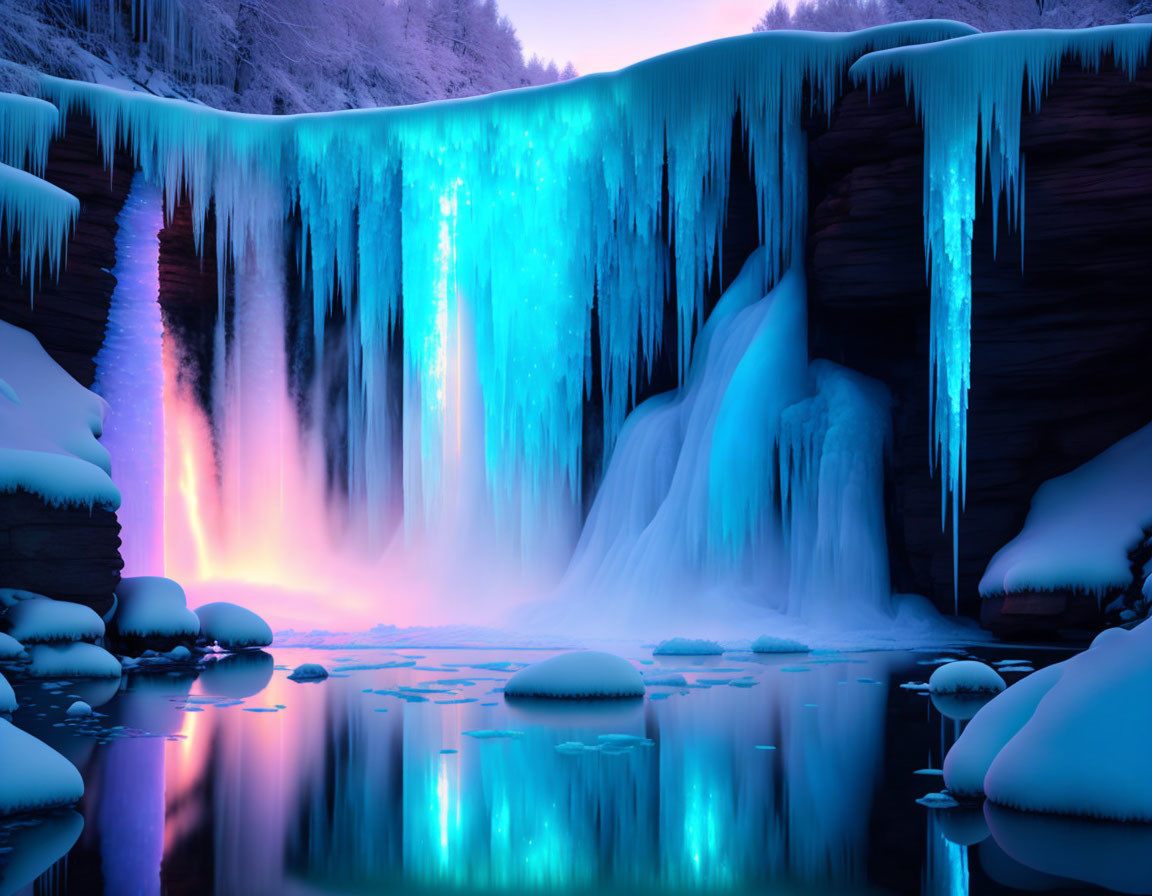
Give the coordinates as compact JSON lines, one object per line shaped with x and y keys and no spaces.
{"x":580,"y":674}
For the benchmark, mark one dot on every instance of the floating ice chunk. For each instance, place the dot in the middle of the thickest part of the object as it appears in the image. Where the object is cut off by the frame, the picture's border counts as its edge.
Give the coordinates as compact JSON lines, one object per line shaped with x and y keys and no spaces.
{"x":667,"y":680}
{"x":309,"y":672}
{"x":915,"y":686}
{"x":7,"y":696}
{"x":79,"y":710}
{"x":232,"y":627}
{"x":580,"y":674}
{"x":10,"y":648}
{"x":75,"y":660}
{"x":153,"y":607}
{"x":43,"y":620}
{"x":937,"y":801}
{"x":966,"y":677}
{"x":771,"y":644}
{"x":33,"y":776}
{"x":688,"y":647}
{"x":493,"y":733}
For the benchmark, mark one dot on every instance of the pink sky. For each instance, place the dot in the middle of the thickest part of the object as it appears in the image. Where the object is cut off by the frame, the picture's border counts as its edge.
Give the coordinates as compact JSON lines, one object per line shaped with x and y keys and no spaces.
{"x":602,"y":35}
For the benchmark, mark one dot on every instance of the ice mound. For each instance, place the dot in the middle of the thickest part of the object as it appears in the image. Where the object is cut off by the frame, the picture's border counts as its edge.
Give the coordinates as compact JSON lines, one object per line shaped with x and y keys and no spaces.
{"x":688,"y":647}
{"x":309,"y":672}
{"x":42,"y":620}
{"x":7,"y":696}
{"x":75,"y":660}
{"x":78,"y":710}
{"x":770,"y":644}
{"x":1067,"y":739}
{"x":232,"y":627}
{"x":33,"y":776}
{"x":10,"y":648}
{"x":666,"y":679}
{"x":966,"y":677}
{"x":153,"y":607}
{"x":580,"y":674}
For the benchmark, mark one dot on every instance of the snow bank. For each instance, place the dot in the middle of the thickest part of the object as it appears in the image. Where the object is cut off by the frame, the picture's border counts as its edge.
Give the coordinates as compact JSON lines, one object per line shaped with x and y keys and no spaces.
{"x":153,"y":607}
{"x":1068,"y":739}
{"x":7,"y":696}
{"x":232,"y":627}
{"x":10,"y":648}
{"x":33,"y":776}
{"x":965,"y":677}
{"x":688,"y":647}
{"x":771,"y":644}
{"x":1081,"y":526}
{"x":48,"y":433}
{"x":44,"y":620}
{"x":75,"y":660}
{"x":309,"y":672}
{"x":580,"y":674}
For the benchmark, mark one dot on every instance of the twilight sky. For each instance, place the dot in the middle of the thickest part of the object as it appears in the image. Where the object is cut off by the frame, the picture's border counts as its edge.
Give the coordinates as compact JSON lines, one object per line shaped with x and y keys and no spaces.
{"x":602,"y":35}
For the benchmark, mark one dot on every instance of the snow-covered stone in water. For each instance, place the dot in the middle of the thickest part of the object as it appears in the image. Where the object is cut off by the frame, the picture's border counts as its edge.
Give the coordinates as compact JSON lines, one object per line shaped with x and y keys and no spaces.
{"x":179,"y":654}
{"x":309,"y":672}
{"x":153,"y":607}
{"x":688,"y":647}
{"x":79,"y":710}
{"x":770,"y":644}
{"x":960,"y":707}
{"x":10,"y":648}
{"x":232,"y":627}
{"x":33,"y":776}
{"x":75,"y":660}
{"x":43,"y":620}
{"x":7,"y":696}
{"x":966,"y":677}
{"x":576,"y":675}
{"x":666,"y":679}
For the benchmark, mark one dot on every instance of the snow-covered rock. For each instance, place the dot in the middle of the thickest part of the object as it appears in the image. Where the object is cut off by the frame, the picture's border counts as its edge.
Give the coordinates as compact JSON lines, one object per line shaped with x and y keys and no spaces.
{"x":33,"y":776}
{"x":49,"y":425}
{"x":10,"y":648}
{"x":232,"y":627}
{"x":666,"y":679}
{"x":309,"y":672}
{"x":7,"y":696}
{"x":153,"y":607}
{"x":79,"y":710}
{"x":1069,"y":738}
{"x":580,"y":674}
{"x":43,"y":620}
{"x":179,"y":654}
{"x":75,"y":660}
{"x":1081,"y":526}
{"x":771,"y":644}
{"x":688,"y":647}
{"x":965,"y":677}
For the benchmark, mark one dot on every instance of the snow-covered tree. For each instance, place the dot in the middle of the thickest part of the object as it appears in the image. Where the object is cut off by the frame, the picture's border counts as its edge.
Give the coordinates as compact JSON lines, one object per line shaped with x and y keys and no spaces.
{"x":987,"y":15}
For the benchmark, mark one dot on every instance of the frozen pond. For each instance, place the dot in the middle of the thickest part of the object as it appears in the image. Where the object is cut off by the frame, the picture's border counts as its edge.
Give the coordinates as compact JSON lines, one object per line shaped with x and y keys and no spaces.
{"x":408,"y":772}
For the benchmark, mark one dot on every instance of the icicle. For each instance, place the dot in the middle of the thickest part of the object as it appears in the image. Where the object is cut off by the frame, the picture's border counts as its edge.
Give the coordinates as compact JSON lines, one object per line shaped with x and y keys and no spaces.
{"x":968,"y":93}
{"x":27,"y":126}
{"x":42,"y":214}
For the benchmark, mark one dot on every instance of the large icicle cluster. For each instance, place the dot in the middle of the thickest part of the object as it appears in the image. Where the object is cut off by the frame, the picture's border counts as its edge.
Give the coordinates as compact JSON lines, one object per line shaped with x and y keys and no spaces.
{"x":969,"y":95}
{"x":42,"y":214}
{"x":497,"y":220}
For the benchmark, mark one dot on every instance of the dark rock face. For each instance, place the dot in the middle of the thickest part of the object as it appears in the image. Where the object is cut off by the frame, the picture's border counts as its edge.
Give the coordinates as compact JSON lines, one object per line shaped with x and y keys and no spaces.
{"x":67,"y":553}
{"x":1059,"y":348}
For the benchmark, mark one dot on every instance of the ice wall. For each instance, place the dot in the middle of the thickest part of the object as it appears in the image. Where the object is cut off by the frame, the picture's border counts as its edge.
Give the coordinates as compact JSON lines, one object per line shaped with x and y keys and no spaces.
{"x":497,"y":220}
{"x":970,"y":94}
{"x":130,"y":377}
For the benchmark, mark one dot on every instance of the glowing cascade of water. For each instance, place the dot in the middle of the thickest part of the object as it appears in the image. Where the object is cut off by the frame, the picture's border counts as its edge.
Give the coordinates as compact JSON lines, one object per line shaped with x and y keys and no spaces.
{"x":130,"y":377}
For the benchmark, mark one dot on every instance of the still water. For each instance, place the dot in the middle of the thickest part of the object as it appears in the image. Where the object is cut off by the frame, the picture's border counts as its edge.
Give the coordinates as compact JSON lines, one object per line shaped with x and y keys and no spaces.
{"x":408,"y":772}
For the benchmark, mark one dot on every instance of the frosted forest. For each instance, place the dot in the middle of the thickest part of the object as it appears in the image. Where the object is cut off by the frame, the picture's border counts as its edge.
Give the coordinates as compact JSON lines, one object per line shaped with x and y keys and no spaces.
{"x":616,"y":448}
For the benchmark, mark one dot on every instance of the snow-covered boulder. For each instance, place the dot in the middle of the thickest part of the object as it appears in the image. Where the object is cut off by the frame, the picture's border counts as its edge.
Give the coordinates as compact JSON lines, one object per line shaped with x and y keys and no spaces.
{"x":232,"y":627}
{"x":43,"y":620}
{"x":1067,"y":739}
{"x":153,"y":608}
{"x":79,"y":710}
{"x":7,"y":696}
{"x":33,"y":776}
{"x":688,"y":647}
{"x":580,"y":674}
{"x":75,"y":660}
{"x":309,"y":672}
{"x":965,"y":677}
{"x":11,"y":649}
{"x":771,"y":644}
